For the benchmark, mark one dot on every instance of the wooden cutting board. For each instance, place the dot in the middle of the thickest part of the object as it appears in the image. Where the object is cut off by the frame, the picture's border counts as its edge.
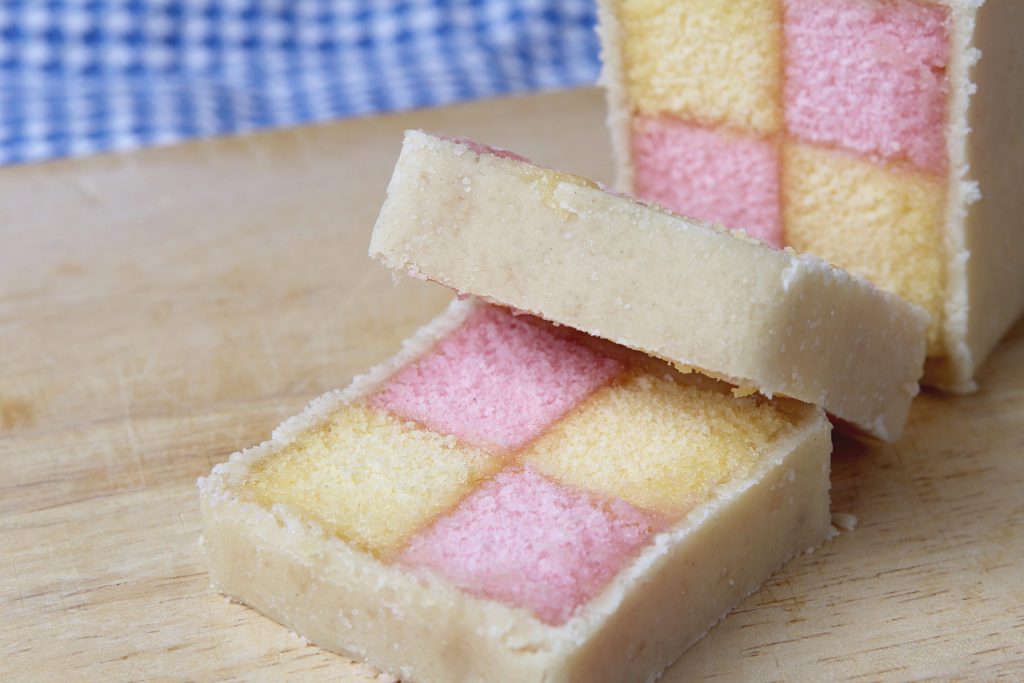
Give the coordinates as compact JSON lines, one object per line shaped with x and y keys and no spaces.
{"x":161,"y":309}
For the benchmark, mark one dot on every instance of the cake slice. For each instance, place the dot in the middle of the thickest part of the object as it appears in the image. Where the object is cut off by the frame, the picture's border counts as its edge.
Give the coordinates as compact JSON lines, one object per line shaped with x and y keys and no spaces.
{"x":558,"y":246}
{"x":508,"y":500}
{"x":884,"y":136}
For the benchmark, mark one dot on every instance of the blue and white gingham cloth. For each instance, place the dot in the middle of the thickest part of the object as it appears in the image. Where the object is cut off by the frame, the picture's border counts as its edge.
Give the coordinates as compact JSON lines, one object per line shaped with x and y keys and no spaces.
{"x":84,"y":76}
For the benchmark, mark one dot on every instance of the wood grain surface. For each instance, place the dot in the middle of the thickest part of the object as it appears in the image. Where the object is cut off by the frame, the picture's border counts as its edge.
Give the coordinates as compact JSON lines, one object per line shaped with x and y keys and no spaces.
{"x":161,"y":309}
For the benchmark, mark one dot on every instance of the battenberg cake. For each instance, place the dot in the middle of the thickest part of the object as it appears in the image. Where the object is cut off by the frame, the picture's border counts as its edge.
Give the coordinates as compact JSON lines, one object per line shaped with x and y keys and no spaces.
{"x":508,"y":500}
{"x":885,"y":136}
{"x":560,"y":247}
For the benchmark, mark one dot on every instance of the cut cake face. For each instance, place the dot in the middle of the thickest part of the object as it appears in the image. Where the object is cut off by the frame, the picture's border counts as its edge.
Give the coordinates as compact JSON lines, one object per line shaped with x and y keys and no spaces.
{"x":558,"y":246}
{"x":508,"y":500}
{"x":849,"y":129}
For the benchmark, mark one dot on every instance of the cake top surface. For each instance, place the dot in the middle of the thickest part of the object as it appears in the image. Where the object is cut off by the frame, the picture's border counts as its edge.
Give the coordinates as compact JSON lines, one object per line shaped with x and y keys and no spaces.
{"x":535,"y":510}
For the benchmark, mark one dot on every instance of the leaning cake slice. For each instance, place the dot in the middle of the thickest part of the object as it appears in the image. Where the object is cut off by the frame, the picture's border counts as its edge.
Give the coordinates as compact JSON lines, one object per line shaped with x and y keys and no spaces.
{"x":491,"y":224}
{"x":509,"y":500}
{"x":884,"y":136}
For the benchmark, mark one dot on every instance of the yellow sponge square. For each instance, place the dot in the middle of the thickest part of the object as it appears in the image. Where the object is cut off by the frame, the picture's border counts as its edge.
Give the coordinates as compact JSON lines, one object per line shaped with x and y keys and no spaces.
{"x":658,"y":442}
{"x":884,"y":223}
{"x":708,"y":61}
{"x":369,"y":478}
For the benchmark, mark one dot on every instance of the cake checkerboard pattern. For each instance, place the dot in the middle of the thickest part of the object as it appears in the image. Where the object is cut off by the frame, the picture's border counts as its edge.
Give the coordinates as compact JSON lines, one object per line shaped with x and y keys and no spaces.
{"x":521,"y":461}
{"x":808,"y":113}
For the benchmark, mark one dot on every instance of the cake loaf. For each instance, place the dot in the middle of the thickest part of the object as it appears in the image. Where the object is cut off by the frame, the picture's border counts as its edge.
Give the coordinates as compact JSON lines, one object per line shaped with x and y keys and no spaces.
{"x":509,"y":501}
{"x":491,"y":224}
{"x":884,"y":136}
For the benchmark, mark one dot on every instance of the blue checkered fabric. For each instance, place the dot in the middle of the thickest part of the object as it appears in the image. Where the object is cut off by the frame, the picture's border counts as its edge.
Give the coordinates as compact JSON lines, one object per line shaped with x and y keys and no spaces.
{"x":83,"y":76}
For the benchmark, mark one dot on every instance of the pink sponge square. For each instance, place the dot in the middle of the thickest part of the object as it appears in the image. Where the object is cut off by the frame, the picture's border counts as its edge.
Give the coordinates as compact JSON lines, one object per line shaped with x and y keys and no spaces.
{"x":526,"y":541}
{"x":869,"y":76}
{"x":499,"y":380}
{"x":709,"y":175}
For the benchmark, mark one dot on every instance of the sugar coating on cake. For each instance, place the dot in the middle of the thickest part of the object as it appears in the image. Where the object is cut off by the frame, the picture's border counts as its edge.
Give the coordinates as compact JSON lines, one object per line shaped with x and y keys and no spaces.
{"x":884,"y":223}
{"x":529,"y":542}
{"x":717,"y":61}
{"x":657,"y":443}
{"x":498,"y":381}
{"x":369,"y":477}
{"x":709,"y":175}
{"x":869,"y":76}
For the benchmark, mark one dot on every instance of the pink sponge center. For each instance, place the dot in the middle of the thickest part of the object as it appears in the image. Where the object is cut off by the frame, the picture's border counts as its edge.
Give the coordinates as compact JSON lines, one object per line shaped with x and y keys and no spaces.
{"x":709,"y":175}
{"x":499,"y":380}
{"x":528,"y":542}
{"x":870,"y":76}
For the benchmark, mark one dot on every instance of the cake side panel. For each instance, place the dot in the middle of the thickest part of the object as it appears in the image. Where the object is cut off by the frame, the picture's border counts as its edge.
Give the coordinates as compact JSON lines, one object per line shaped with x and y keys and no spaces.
{"x":547,"y":243}
{"x":994,"y":226}
{"x":737,"y":548}
{"x":352,"y":604}
{"x":862,"y":350}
